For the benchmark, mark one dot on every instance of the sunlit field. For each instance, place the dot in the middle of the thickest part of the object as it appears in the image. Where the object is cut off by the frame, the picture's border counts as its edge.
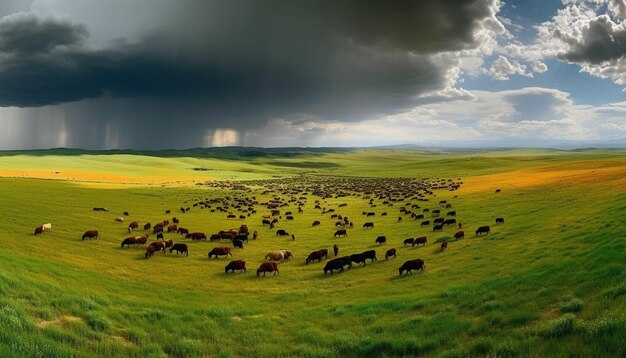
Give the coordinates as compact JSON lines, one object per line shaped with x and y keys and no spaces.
{"x":549,"y":281}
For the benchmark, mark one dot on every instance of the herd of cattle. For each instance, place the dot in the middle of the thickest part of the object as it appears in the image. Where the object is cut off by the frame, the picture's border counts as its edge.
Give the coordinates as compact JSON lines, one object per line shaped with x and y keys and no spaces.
{"x":296,"y":192}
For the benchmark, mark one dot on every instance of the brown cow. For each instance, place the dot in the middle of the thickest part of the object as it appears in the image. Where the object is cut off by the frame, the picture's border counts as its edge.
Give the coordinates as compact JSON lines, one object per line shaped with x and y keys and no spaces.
{"x":132,"y":226}
{"x":236,"y":265}
{"x":182,"y":231}
{"x":389,"y":253}
{"x":172,"y":228}
{"x":167,"y":243}
{"x":196,"y":236}
{"x":316,"y":222}
{"x":129,"y":241}
{"x":267,"y":267}
{"x":417,"y":264}
{"x":157,"y":228}
{"x":38,"y":230}
{"x":317,"y":255}
{"x":336,"y":249}
{"x":220,"y":251}
{"x":420,"y":241}
{"x":459,"y":235}
{"x":341,"y":232}
{"x":444,"y":245}
{"x":90,"y":234}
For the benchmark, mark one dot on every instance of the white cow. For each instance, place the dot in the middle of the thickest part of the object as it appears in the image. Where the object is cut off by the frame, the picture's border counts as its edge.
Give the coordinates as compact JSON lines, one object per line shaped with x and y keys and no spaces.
{"x":47,"y":227}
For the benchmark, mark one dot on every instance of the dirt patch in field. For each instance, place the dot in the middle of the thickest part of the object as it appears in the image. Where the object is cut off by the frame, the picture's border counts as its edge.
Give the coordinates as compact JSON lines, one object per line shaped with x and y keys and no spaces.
{"x":57,"y":321}
{"x":612,"y":173}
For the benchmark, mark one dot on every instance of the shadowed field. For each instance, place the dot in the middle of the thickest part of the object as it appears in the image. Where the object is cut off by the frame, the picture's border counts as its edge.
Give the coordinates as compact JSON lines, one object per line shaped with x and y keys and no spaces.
{"x":549,"y":281}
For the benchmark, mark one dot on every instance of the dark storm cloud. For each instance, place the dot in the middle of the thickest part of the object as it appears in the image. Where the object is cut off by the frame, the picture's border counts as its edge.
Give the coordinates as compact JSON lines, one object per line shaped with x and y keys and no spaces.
{"x":602,"y":40}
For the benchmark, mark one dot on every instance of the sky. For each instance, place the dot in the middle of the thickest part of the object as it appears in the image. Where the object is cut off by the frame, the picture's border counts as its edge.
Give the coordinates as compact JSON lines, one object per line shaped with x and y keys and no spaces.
{"x":159,"y":74}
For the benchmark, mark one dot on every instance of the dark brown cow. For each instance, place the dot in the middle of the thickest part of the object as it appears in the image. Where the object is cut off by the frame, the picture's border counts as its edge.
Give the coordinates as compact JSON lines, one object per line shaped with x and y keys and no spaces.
{"x":282,"y":232}
{"x":444,"y":245}
{"x":154,"y":247}
{"x":227,"y":236}
{"x":214,"y":237}
{"x":129,"y":241}
{"x":132,"y":226}
{"x":91,"y":234}
{"x":38,"y":230}
{"x":317,"y":255}
{"x":420,"y":241}
{"x":459,"y":235}
{"x":172,"y":228}
{"x":239,"y":265}
{"x":147,"y":226}
{"x":150,"y":251}
{"x":220,"y":251}
{"x":167,"y":243}
{"x":182,"y":231}
{"x":389,"y":253}
{"x":267,"y":267}
{"x":338,"y":264}
{"x":140,"y":240}
{"x":341,"y":232}
{"x":180,"y":249}
{"x":157,"y":228}
{"x":160,"y":236}
{"x":196,"y":236}
{"x":425,"y":223}
{"x":315,"y":223}
{"x":483,"y":230}
{"x":409,"y":266}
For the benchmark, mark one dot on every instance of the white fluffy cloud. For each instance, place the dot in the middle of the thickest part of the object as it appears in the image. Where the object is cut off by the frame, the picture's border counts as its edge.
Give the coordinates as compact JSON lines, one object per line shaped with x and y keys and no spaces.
{"x":502,"y":68}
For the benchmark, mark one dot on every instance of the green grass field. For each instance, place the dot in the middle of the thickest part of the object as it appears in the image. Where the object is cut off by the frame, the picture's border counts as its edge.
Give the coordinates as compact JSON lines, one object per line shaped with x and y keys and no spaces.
{"x":550,"y":281}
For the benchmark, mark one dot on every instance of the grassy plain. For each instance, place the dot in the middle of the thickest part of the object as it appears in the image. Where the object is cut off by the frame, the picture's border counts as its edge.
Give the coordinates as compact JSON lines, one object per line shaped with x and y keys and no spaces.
{"x":551,"y":281}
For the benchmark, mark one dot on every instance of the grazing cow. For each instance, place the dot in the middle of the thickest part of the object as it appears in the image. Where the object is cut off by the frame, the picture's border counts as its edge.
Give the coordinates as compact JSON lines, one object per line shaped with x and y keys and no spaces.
{"x":225,"y":235}
{"x":266,"y":222}
{"x":132,"y":226}
{"x":317,"y":256}
{"x":125,"y":213}
{"x":175,"y":220}
{"x":498,"y":190}
{"x":420,"y":241}
{"x":409,"y":266}
{"x":389,"y":253}
{"x":167,"y":243}
{"x":231,"y":216}
{"x":437,"y":228}
{"x":381,"y":240}
{"x":371,"y":214}
{"x":91,"y":234}
{"x":451,"y":213}
{"x":483,"y":230}
{"x":438,"y":221}
{"x":119,"y":219}
{"x":214,"y":237}
{"x":220,"y":251}
{"x":154,"y":247}
{"x":100,"y":209}
{"x":47,"y":227}
{"x":168,"y":211}
{"x":425,"y":223}
{"x":336,"y":249}
{"x":242,"y":237}
{"x":368,"y":225}
{"x":172,"y":228}
{"x":282,"y":232}
{"x":289,"y":217}
{"x":38,"y":230}
{"x":459,"y":235}
{"x":160,"y":236}
{"x":499,"y":220}
{"x":444,"y":245}
{"x":419,"y":217}
{"x":157,"y":228}
{"x":275,"y":256}
{"x":287,"y":253}
{"x":340,"y":223}
{"x":140,"y":240}
{"x":450,"y":222}
{"x":338,"y":264}
{"x":341,"y":232}
{"x":147,"y":226}
{"x":197,"y":236}
{"x":182,"y":231}
{"x":129,"y":241}
{"x":150,"y":251}
{"x":315,"y":223}
{"x":180,"y":249}
{"x":238,"y":243}
{"x":369,"y":254}
{"x":409,"y":241}
{"x":267,"y":267}
{"x":239,"y":265}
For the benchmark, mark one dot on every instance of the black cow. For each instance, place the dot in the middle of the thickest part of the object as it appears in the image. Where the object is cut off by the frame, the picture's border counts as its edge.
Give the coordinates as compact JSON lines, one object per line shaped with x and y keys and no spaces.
{"x":389,"y":253}
{"x":425,"y":223}
{"x":282,"y":232}
{"x":409,"y":266}
{"x":483,"y":230}
{"x":338,"y":264}
{"x":381,"y":240}
{"x":499,"y":220}
{"x":437,"y":228}
{"x":180,"y":249}
{"x":238,"y":243}
{"x":236,"y":265}
{"x":450,"y":222}
{"x":368,"y":225}
{"x":147,"y":226}
{"x":266,"y":222}
{"x":409,"y":241}
{"x":341,"y":232}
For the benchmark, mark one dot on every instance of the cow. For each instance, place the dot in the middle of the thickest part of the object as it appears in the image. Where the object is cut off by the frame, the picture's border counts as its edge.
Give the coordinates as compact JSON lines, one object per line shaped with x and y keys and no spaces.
{"x":438,"y":221}
{"x":451,"y":213}
{"x":172,"y":228}
{"x":360,"y":258}
{"x":317,"y":255}
{"x":381,"y":240}
{"x":336,"y":249}
{"x":214,"y":237}
{"x":147,"y":226}
{"x":46,"y":227}
{"x":168,"y":211}
{"x":241,"y":237}
{"x":167,"y":243}
{"x":90,"y":234}
{"x":316,"y":223}
{"x":236,"y":265}
{"x":459,"y":235}
{"x":389,"y":253}
{"x":369,"y":254}
{"x":150,"y":251}
{"x":180,"y":249}
{"x":154,"y":247}
{"x":282,"y":232}
{"x":157,"y":228}
{"x":224,"y":235}
{"x":368,"y":225}
{"x":444,"y":245}
{"x":483,"y":230}
{"x":338,"y":264}
{"x":409,"y":266}
{"x":220,"y":251}
{"x":275,"y":256}
{"x":341,"y":232}
{"x":450,"y":222}
{"x":371,"y":214}
{"x":399,"y":219}
{"x":287,"y":253}
{"x":255,"y":235}
{"x":231,"y":216}
{"x":160,"y":236}
{"x":289,"y":217}
{"x":498,"y":190}
{"x":409,"y":241}
{"x":132,"y":226}
{"x":119,"y":219}
{"x":175,"y":220}
{"x":437,"y":228}
{"x":140,"y":240}
{"x":129,"y":241}
{"x":182,"y":231}
{"x":38,"y":230}
{"x":265,"y":222}
{"x":125,"y":213}
{"x":165,"y":223}
{"x":425,"y":223}
{"x":238,"y":243}
{"x":100,"y":209}
{"x":420,"y":241}
{"x":499,"y":220}
{"x":420,"y":217}
{"x":196,"y":236}
{"x":267,"y":267}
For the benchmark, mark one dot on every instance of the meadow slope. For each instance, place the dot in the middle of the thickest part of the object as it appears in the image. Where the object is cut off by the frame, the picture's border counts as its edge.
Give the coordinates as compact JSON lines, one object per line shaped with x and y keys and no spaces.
{"x":550,"y":281}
